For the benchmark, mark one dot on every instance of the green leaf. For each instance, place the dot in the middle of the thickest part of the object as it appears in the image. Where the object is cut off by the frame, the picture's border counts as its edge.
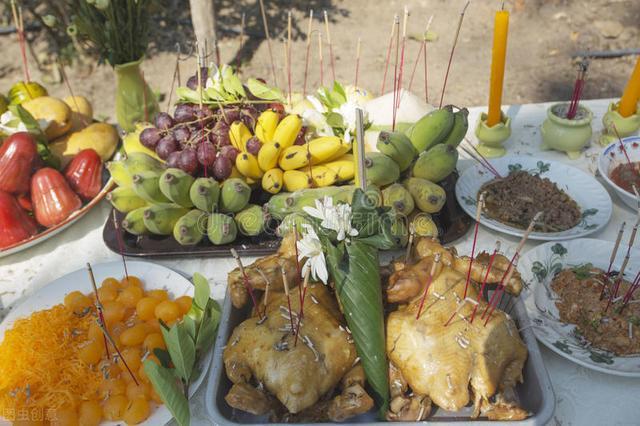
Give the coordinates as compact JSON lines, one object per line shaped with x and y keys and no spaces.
{"x":202,"y":291}
{"x":355,"y":270}
{"x":164,"y":383}
{"x":182,"y":350}
{"x":208,"y":327}
{"x":213,"y":94}
{"x":262,"y":91}
{"x":187,"y":95}
{"x":32,"y":125}
{"x":163,"y":356}
{"x":339,"y":92}
{"x":190,"y":326}
{"x":335,"y":120}
{"x":232,"y":84}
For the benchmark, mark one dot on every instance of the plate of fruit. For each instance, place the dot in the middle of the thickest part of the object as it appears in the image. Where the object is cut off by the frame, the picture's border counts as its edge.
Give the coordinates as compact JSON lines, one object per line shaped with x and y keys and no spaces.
{"x":51,"y":164}
{"x":72,"y":355}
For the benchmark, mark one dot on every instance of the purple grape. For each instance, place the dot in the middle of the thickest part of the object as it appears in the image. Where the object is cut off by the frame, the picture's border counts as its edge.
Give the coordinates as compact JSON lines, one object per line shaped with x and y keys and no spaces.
{"x":300,"y":139}
{"x":182,"y":134}
{"x":230,"y":115}
{"x":150,"y":137}
{"x":172,"y":159}
{"x":202,"y":112}
{"x":184,"y":113}
{"x":222,"y":168}
{"x":164,"y":121}
{"x":253,"y":145}
{"x":166,"y":146}
{"x":230,"y":152}
{"x":192,"y":82}
{"x":206,"y":153}
{"x":188,"y":161}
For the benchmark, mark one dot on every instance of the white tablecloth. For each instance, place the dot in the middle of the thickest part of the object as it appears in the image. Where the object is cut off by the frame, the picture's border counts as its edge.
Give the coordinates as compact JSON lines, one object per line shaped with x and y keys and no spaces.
{"x":583,"y":397}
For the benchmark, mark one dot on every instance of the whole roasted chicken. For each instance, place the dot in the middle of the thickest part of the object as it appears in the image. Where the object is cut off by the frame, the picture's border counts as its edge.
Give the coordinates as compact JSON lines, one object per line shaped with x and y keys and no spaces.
{"x":292,"y":378}
{"x":444,"y":360}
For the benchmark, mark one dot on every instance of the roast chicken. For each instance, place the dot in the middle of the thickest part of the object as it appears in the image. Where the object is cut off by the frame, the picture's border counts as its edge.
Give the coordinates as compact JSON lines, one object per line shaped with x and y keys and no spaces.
{"x":457,"y":363}
{"x":293,"y":380}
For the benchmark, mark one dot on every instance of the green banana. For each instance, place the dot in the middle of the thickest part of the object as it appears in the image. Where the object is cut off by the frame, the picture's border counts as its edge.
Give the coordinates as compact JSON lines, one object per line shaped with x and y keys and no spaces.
{"x":459,"y":129}
{"x":250,"y":221}
{"x":205,"y":193}
{"x":125,"y":199}
{"x":380,"y":169}
{"x":175,"y":184}
{"x":437,"y":163}
{"x":397,"y":146}
{"x":428,"y":196}
{"x":234,"y":195}
{"x":161,"y":219}
{"x":424,"y":226}
{"x":190,"y":228}
{"x":221,"y":229}
{"x":431,"y":129}
{"x":133,"y":222}
{"x":398,"y":197}
{"x":122,"y":171}
{"x":146,"y":185}
{"x":285,"y":203}
{"x":290,"y":222}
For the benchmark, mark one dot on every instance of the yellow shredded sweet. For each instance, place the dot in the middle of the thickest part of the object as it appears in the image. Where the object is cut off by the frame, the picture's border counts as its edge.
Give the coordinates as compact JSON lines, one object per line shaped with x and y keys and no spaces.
{"x":39,"y":363}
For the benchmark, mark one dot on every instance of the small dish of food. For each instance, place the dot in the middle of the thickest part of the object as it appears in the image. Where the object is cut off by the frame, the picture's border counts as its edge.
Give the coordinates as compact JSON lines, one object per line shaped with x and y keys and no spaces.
{"x":572,"y":203}
{"x":618,"y":173}
{"x":581,"y":312}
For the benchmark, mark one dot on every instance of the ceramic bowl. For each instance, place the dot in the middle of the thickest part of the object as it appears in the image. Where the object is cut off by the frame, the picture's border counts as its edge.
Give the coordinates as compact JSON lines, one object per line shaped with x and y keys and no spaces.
{"x":611,"y":157}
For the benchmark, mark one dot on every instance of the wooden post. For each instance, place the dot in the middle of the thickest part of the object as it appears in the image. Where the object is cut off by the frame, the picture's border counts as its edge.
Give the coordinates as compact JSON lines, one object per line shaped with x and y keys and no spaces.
{"x":203,"y":18}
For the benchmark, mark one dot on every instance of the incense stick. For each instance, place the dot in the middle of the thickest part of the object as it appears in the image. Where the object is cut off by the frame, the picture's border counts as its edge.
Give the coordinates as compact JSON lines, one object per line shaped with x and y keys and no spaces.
{"x":306,"y":59}
{"x":176,"y":73}
{"x":19,"y":24}
{"x":285,"y":283}
{"x":99,"y":306}
{"x":357,"y":62}
{"x":200,"y":88}
{"x":331,"y":58}
{"x":266,"y":33}
{"x":113,"y":343}
{"x":289,"y":54}
{"x":412,"y":234}
{"x":402,"y":53}
{"x":247,"y":284}
{"x":120,"y":243}
{"x":320,"y":58}
{"x":612,"y":258}
{"x":434,"y":265}
{"x":307,"y":273}
{"x":479,"y":208}
{"x":63,"y":74}
{"x":423,"y":47}
{"x":453,"y":48}
{"x":505,"y":279}
{"x":484,"y":281}
{"x":396,"y":19}
{"x":395,"y":76}
{"x":483,"y":158}
{"x":242,"y":24}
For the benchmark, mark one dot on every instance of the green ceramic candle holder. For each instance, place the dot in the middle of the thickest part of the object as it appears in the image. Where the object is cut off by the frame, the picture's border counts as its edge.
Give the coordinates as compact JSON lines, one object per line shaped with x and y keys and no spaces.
{"x":491,"y":138}
{"x":562,"y":134}
{"x":626,"y":126}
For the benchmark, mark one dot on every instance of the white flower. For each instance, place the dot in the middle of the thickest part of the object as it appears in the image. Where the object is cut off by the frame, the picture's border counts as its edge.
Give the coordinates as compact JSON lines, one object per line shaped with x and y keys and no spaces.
{"x":315,"y":119}
{"x":348,"y":112}
{"x":336,"y":218}
{"x":317,"y":105}
{"x":310,"y":248}
{"x":10,"y":124}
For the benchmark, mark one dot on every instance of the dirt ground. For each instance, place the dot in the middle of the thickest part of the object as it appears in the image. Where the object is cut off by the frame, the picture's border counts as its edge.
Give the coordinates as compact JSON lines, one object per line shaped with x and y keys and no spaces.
{"x":543,"y":36}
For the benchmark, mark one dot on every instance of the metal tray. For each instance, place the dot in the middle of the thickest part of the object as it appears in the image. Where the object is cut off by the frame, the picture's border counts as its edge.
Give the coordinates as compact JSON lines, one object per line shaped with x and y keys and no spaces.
{"x":452,"y":224}
{"x":535,"y":394}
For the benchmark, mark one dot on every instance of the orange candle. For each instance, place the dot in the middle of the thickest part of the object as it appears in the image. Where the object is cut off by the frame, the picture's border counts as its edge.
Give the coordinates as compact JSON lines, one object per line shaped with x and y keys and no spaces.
{"x":631,"y":95}
{"x":498,"y":59}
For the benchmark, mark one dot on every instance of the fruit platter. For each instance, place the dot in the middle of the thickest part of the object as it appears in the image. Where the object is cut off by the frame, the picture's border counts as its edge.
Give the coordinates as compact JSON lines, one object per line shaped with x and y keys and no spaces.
{"x":52,"y":155}
{"x":212,"y":177}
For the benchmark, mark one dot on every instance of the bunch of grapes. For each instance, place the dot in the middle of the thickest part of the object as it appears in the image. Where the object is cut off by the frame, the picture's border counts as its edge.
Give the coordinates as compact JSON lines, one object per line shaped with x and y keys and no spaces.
{"x":196,"y":138}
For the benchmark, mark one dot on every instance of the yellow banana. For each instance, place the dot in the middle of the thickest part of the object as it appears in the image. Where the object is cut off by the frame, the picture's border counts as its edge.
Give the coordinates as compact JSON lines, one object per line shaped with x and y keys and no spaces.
{"x":247,"y":164}
{"x":295,"y":180}
{"x":287,"y":130}
{"x":272,"y":181}
{"x":321,"y":175}
{"x":327,"y":148}
{"x":266,"y":126}
{"x":235,"y":173}
{"x":239,"y":134}
{"x":268,"y":155}
{"x":344,"y":167}
{"x":294,"y":157}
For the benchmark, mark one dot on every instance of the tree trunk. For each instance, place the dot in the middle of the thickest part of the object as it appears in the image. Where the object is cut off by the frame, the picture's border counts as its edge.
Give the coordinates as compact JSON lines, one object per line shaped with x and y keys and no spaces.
{"x":203,"y":18}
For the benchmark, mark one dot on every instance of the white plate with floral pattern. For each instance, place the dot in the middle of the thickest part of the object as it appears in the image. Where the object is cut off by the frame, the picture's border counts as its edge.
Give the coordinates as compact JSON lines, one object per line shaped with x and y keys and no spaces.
{"x":592,"y":198}
{"x":538,"y":267}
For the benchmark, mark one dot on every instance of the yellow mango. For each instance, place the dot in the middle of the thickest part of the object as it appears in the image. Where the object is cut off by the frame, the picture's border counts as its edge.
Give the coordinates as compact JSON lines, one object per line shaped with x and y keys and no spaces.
{"x":81,"y":112}
{"x":53,"y":110}
{"x":101,"y":137}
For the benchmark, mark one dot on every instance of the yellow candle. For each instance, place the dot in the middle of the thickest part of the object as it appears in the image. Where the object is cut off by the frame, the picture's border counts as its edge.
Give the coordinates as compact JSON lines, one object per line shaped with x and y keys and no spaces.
{"x":498,"y":58}
{"x":631,"y":95}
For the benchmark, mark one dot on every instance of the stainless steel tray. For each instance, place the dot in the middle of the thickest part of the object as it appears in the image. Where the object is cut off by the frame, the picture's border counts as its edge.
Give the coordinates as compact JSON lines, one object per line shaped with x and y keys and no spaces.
{"x":535,"y":394}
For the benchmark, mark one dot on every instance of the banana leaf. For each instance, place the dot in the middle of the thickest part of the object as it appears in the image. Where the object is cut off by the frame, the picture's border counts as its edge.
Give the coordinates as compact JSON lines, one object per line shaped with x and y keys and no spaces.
{"x":355,"y":270}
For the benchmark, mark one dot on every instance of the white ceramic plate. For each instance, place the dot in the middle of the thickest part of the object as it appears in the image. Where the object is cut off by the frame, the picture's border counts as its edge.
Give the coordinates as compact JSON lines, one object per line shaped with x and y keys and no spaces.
{"x":538,"y":266}
{"x":611,"y":157}
{"x":594,"y":201}
{"x":153,"y":276}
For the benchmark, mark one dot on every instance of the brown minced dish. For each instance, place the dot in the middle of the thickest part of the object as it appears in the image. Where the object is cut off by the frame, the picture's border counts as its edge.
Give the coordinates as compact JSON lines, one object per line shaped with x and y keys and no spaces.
{"x":514,"y":200}
{"x":617,"y":330}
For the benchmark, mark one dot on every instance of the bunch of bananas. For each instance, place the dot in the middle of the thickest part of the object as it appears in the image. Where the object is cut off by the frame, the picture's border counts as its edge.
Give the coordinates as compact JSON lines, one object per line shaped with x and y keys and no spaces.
{"x":284,"y":161}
